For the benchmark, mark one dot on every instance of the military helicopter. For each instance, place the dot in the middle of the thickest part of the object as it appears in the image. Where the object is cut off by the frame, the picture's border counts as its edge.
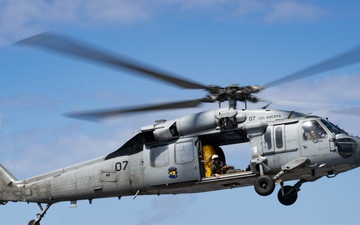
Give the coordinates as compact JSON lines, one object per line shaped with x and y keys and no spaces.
{"x":175,"y":156}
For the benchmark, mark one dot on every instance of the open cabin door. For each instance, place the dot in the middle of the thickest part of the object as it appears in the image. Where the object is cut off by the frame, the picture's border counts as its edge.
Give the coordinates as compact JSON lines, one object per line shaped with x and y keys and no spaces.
{"x":172,"y":162}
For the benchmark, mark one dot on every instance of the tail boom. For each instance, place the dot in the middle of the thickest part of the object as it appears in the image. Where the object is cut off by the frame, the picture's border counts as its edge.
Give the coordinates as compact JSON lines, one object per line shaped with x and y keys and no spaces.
{"x":9,"y":189}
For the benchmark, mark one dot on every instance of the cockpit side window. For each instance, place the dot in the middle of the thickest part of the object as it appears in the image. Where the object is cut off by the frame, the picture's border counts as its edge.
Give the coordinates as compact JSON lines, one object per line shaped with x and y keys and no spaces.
{"x":313,"y":130}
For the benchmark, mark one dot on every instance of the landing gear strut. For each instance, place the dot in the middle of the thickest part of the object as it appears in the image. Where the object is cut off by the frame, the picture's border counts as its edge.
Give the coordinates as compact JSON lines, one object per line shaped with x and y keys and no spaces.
{"x":264,"y":185}
{"x":40,"y":215}
{"x":287,"y":195}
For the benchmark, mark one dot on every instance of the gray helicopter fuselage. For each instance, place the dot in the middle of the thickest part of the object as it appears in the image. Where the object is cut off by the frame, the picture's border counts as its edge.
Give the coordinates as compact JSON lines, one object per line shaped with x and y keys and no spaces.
{"x":169,"y":157}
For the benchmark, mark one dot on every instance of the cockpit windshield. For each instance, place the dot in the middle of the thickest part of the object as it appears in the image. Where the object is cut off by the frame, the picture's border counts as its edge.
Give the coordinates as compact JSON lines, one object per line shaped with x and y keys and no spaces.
{"x":332,"y":127}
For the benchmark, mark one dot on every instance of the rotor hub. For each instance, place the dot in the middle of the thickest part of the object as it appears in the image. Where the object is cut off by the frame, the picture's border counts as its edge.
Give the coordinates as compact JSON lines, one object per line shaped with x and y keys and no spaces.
{"x":233,"y":92}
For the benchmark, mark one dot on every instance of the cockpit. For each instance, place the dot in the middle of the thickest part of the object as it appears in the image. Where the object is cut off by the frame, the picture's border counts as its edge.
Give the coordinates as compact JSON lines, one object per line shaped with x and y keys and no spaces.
{"x":332,"y":127}
{"x":346,"y":145}
{"x":314,"y":129}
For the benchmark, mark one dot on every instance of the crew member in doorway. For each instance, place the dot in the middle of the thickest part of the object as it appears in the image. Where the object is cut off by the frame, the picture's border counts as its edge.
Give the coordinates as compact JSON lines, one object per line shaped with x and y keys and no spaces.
{"x":218,"y":167}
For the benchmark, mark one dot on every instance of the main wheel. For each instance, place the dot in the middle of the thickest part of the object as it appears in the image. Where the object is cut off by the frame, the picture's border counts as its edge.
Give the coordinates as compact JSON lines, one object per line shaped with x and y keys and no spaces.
{"x":289,"y":197}
{"x":264,"y":185}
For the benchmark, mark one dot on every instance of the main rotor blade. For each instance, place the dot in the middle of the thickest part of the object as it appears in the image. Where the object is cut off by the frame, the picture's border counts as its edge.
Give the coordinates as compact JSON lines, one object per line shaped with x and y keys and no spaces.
{"x":61,"y":44}
{"x":103,"y":114}
{"x":342,"y":60}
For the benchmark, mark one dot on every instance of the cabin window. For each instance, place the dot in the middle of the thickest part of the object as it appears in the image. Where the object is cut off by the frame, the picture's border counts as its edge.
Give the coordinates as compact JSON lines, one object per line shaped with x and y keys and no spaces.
{"x":267,"y":138}
{"x":313,"y":130}
{"x":184,"y":152}
{"x":159,"y":156}
{"x":279,"y":137}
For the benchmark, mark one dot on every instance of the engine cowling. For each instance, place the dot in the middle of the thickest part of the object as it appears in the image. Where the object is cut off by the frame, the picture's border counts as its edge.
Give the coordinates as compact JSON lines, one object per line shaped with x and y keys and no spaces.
{"x":220,"y":119}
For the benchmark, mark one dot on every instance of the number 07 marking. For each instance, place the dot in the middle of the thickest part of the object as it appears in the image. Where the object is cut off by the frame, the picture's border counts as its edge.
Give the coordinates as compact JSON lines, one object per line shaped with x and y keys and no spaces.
{"x":121,"y":165}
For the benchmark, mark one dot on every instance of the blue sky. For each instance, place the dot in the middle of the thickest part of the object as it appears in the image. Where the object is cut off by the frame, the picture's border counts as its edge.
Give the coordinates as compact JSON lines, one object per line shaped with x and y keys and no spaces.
{"x":210,"y":41}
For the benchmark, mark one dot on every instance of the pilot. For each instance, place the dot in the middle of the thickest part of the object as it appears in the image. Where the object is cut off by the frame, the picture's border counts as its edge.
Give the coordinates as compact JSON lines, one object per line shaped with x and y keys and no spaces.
{"x":313,"y":130}
{"x":218,"y":167}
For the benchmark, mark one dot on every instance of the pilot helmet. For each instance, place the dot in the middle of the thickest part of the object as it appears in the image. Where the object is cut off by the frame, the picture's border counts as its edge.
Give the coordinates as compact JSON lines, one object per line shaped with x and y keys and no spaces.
{"x":214,"y":157}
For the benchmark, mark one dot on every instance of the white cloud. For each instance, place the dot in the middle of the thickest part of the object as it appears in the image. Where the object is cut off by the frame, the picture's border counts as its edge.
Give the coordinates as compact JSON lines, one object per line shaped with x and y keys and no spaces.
{"x":260,"y":11}
{"x":292,"y":11}
{"x":35,"y":151}
{"x":338,"y":89}
{"x":321,"y":97}
{"x":21,"y":18}
{"x":27,"y":101}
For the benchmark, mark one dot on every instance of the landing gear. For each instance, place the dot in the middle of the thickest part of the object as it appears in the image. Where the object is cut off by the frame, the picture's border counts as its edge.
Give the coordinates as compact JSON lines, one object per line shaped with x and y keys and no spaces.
{"x":264,"y":185}
{"x":32,"y":222}
{"x":287,"y":195}
{"x":40,"y":215}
